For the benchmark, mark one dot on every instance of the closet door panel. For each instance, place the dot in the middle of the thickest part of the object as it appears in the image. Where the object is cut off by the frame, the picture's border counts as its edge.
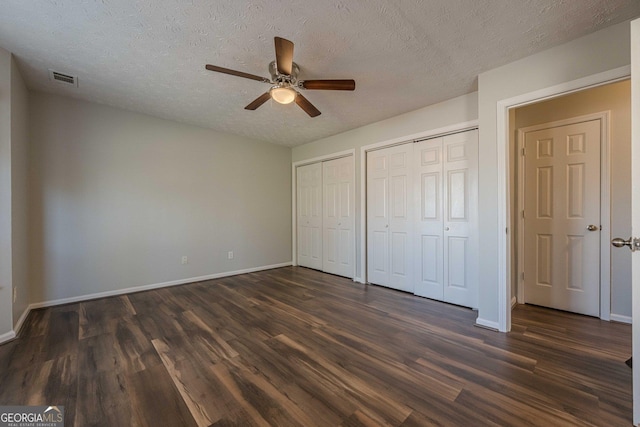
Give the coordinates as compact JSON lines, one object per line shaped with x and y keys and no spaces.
{"x":309,"y":215}
{"x":390,"y":217}
{"x":377,"y":221}
{"x":460,"y":218}
{"x":428,"y":246}
{"x":401,"y":217}
{"x":338,"y":216}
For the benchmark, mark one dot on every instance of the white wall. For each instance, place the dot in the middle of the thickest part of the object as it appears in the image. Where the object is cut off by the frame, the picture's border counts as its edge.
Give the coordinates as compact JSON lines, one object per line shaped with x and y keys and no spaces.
{"x":597,"y":52}
{"x":615,"y":98}
{"x":117,"y":198}
{"x":19,"y":212}
{"x":6,"y":323}
{"x":451,"y":112}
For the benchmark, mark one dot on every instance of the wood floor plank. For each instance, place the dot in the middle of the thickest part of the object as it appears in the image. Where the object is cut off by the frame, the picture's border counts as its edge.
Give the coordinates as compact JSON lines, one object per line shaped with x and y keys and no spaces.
{"x":296,"y":347}
{"x":274,"y":367}
{"x":380,"y":370}
{"x":36,"y":323}
{"x":61,"y":337}
{"x":192,"y":383}
{"x":52,"y":382}
{"x":156,"y":401}
{"x":126,"y":350}
{"x":101,"y":315}
{"x":374,"y":402}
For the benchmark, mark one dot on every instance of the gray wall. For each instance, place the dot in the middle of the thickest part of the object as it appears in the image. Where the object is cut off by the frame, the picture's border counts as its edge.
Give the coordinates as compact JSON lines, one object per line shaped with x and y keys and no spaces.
{"x":117,"y":198}
{"x":19,"y":212}
{"x":13,"y":195}
{"x":597,"y":52}
{"x":615,"y":98}
{"x":451,"y":112}
{"x":6,"y":323}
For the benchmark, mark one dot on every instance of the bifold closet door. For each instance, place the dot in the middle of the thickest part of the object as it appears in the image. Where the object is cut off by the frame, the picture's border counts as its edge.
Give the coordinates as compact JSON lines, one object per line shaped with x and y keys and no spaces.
{"x":446,"y":247}
{"x":338,"y":215}
{"x":389,"y":217}
{"x":460,"y":201}
{"x":429,"y":242}
{"x":309,"y":215}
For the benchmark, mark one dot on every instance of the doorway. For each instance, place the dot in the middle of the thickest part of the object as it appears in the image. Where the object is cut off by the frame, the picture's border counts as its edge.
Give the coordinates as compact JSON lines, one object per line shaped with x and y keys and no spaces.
{"x":577,"y":255}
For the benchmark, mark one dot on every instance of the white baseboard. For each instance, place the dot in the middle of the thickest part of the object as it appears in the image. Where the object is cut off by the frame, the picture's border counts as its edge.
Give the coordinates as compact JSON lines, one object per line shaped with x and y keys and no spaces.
{"x":359,"y":280}
{"x":514,"y":301}
{"x":489,"y":324}
{"x":16,"y":329}
{"x":153,"y":286}
{"x":620,"y":318}
{"x":8,"y":336}
{"x":141,"y":288}
{"x":21,"y":320}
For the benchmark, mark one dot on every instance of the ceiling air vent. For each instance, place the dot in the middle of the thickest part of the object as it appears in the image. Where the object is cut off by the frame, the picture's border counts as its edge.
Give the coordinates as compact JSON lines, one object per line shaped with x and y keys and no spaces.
{"x":63,"y":78}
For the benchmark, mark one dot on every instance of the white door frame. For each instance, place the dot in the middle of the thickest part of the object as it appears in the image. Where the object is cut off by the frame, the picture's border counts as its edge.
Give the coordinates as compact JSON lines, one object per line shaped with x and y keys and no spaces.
{"x":433,"y":133}
{"x":635,"y":212}
{"x":605,"y":205}
{"x":294,"y":200}
{"x":502,"y":157}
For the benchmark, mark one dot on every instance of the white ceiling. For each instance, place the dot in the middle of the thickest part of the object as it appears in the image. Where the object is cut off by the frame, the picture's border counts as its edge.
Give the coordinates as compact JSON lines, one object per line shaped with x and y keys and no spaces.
{"x":149,"y":55}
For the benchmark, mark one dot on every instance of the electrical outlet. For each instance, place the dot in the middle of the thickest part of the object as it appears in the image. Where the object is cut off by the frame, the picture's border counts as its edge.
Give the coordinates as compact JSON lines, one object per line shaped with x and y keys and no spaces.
{"x":15,"y":294}
{"x":230,"y":255}
{"x":185,"y":260}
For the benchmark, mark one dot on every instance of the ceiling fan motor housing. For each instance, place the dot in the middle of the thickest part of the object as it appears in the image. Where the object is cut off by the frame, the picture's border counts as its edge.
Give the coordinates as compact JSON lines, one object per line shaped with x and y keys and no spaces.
{"x":277,"y":77}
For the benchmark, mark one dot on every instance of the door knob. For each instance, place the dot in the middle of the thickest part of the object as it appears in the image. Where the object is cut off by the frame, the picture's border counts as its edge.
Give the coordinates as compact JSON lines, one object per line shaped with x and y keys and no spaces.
{"x":632,"y":242}
{"x":592,"y":227}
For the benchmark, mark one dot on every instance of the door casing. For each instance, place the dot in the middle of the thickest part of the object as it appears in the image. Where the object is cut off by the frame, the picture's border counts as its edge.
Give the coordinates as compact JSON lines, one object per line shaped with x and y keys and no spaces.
{"x":503,"y":173}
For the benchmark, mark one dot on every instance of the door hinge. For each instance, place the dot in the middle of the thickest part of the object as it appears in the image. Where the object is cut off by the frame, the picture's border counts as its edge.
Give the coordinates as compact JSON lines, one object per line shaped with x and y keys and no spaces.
{"x":523,"y":213}
{"x":522,"y":275}
{"x":523,"y":151}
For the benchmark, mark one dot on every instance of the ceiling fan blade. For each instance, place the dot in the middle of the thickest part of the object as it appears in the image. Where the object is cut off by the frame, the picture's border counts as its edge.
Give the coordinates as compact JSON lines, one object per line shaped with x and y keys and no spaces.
{"x":307,"y":106}
{"x":236,"y":73}
{"x":284,"y":55}
{"x":258,"y":101}
{"x":328,"y":84}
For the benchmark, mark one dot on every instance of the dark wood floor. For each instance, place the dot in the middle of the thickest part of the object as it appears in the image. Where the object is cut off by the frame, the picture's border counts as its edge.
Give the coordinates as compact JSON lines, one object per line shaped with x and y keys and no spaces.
{"x":294,"y":347}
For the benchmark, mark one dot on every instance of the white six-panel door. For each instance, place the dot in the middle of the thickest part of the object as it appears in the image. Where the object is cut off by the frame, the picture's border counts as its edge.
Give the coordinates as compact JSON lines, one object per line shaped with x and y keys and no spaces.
{"x":309,"y":218}
{"x":562,"y":218}
{"x":390,"y":217}
{"x":446,"y":244}
{"x":338,"y":213}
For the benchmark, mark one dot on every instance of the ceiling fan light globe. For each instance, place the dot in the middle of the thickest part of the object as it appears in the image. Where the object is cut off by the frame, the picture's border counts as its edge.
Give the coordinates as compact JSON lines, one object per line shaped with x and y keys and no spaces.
{"x":283,"y":95}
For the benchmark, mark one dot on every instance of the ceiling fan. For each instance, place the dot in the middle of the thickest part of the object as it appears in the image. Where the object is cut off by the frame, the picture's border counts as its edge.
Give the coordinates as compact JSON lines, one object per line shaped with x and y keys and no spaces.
{"x":284,"y":80}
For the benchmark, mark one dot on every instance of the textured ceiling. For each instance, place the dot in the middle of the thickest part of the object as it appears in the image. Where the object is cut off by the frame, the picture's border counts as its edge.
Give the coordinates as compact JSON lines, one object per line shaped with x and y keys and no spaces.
{"x":149,"y":55}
